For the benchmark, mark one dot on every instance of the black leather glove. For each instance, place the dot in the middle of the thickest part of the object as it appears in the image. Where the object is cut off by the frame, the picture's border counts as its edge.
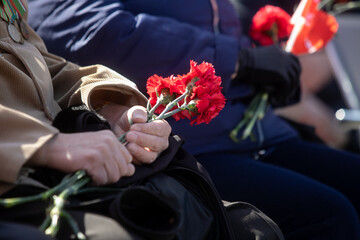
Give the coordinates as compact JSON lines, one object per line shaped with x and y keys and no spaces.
{"x":273,"y":70}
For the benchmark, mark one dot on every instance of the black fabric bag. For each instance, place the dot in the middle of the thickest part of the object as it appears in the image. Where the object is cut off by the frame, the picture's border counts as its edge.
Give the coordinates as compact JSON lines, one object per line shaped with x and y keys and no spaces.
{"x":248,"y":222}
{"x":172,"y":198}
{"x":148,"y":205}
{"x":194,"y":211}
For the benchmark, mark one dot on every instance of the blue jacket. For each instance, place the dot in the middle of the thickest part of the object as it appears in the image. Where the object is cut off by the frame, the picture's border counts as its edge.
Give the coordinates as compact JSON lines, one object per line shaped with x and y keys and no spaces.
{"x":141,"y":38}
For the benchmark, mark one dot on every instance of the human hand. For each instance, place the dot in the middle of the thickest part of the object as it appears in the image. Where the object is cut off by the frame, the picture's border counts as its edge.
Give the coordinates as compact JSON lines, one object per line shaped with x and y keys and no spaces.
{"x":100,"y":154}
{"x":316,"y":71}
{"x":145,"y":141}
{"x":273,"y":70}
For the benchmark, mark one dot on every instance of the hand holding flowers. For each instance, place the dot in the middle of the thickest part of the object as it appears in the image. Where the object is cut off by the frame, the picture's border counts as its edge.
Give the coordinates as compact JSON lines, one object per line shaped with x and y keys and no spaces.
{"x":269,"y":25}
{"x":308,"y":30}
{"x":196,"y":96}
{"x":145,"y":141}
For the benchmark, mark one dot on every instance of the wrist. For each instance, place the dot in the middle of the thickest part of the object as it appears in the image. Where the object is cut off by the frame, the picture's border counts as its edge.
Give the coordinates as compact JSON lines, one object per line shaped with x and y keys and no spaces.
{"x":112,"y":112}
{"x":41,"y":157}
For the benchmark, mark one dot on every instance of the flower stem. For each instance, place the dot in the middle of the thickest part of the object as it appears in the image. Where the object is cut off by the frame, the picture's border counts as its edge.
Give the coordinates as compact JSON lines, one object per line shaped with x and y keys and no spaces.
{"x":122,"y":138}
{"x":74,"y":226}
{"x":67,"y":181}
{"x":45,"y":223}
{"x":248,"y":115}
{"x":259,"y":114}
{"x":148,"y":106}
{"x":233,"y":134}
{"x":325,"y":3}
{"x":153,"y":109}
{"x":170,"y":113}
{"x":59,"y":202}
{"x":173,"y":104}
{"x":343,"y":7}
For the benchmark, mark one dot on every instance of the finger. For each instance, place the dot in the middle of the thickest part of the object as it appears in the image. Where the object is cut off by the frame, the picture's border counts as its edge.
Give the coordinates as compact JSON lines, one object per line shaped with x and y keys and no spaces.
{"x":99,"y":176}
{"x":137,"y":114}
{"x":117,"y":154}
{"x":154,"y":143}
{"x":123,"y":160}
{"x":94,"y":164}
{"x":137,"y":162}
{"x":142,"y":155}
{"x":124,"y":153}
{"x":159,"y":128}
{"x":131,"y":170}
{"x":112,"y":169}
{"x":118,"y":131}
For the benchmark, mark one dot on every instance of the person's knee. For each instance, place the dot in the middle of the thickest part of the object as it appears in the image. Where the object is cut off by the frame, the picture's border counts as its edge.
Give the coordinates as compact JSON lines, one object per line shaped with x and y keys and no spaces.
{"x":326,"y":215}
{"x":343,"y":217}
{"x":101,"y":227}
{"x":97,"y":227}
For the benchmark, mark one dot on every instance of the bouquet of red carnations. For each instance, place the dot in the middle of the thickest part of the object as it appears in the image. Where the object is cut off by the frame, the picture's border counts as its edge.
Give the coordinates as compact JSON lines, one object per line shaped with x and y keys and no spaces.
{"x":195,"y":95}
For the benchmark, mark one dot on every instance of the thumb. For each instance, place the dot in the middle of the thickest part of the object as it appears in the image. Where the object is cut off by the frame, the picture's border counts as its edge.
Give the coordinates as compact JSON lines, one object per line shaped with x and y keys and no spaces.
{"x":136,"y":114}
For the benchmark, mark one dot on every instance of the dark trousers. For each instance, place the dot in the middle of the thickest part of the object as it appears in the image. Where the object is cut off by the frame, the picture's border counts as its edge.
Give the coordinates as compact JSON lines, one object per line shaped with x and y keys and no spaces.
{"x":309,"y":190}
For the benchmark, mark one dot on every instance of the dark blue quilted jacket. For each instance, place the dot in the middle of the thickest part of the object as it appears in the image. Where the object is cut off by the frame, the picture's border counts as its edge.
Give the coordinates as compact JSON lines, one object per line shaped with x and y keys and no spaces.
{"x":139,"y":38}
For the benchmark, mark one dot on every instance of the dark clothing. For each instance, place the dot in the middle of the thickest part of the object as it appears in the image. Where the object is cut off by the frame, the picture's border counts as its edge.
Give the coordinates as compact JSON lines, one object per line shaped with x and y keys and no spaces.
{"x":139,"y":39}
{"x":172,"y":198}
{"x":142,"y":38}
{"x":15,"y":231}
{"x":308,"y":189}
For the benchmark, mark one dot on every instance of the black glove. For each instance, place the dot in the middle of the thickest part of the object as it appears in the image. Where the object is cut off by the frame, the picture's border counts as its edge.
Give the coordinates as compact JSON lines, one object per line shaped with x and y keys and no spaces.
{"x":273,"y":70}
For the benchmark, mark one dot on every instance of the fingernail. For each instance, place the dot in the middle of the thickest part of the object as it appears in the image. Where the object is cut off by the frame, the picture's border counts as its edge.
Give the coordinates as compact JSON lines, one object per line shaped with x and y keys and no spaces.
{"x":139,"y":115}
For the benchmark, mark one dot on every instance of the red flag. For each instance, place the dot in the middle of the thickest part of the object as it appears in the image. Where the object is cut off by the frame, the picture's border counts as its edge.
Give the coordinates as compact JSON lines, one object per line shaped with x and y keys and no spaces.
{"x":313,"y":28}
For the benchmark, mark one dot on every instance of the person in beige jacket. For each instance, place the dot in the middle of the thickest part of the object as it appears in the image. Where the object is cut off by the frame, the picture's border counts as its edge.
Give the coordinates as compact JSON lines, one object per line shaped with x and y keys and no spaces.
{"x":36,"y":85}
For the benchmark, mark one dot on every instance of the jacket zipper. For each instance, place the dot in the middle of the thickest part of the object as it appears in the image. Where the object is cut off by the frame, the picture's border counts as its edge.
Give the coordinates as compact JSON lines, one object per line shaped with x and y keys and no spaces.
{"x":216,"y":18}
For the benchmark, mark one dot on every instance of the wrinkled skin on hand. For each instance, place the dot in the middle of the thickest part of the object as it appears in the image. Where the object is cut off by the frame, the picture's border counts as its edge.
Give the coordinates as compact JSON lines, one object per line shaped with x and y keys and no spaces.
{"x":145,"y":140}
{"x":101,"y":154}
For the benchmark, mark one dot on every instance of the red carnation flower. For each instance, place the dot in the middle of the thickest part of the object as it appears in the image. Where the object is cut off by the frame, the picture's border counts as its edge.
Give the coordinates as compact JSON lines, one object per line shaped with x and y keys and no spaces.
{"x":270,"y":25}
{"x":206,"y":92}
{"x":168,"y":88}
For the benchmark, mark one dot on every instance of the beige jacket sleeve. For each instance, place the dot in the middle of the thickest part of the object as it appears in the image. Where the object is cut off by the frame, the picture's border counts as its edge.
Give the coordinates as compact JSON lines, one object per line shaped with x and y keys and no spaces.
{"x":35,"y":86}
{"x":93,"y":85}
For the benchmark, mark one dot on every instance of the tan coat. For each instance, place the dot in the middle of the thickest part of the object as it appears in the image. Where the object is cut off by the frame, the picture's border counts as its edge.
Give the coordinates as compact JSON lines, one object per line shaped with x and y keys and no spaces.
{"x":34,"y":86}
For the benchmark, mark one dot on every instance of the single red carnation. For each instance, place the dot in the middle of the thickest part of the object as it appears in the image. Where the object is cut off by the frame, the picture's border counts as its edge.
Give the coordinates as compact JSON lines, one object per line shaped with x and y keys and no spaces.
{"x":167,"y":87}
{"x":270,"y":25}
{"x":206,"y":92}
{"x":155,"y":85}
